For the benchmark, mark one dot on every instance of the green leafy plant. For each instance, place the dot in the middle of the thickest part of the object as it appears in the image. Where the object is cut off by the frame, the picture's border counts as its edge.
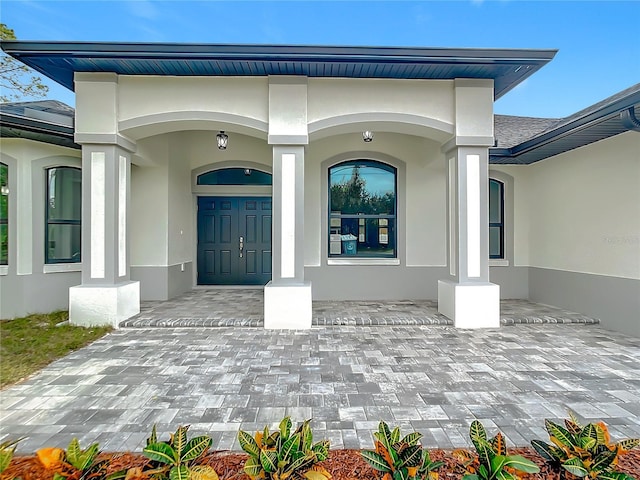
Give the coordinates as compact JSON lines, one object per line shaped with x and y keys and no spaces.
{"x":176,"y":459}
{"x":584,"y":451}
{"x":74,"y":463}
{"x":281,"y":454}
{"x":7,"y":449}
{"x":491,"y":460}
{"x":400,"y":458}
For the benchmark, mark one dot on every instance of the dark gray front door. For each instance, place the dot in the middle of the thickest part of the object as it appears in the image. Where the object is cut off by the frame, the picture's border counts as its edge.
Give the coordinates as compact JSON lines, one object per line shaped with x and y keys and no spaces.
{"x":234,"y":240}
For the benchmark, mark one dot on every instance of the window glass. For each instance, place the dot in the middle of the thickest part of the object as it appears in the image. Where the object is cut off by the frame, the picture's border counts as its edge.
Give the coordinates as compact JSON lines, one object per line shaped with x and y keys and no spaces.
{"x":494,"y":242}
{"x":496,"y":223}
{"x":495,"y":201}
{"x":4,"y":214}
{"x":234,"y":176}
{"x":362,"y":209}
{"x":64,"y":210}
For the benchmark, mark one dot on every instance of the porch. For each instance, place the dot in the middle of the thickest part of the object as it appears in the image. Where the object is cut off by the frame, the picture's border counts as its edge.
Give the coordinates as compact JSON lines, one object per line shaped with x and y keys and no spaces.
{"x":432,"y":379}
{"x":244,"y":307}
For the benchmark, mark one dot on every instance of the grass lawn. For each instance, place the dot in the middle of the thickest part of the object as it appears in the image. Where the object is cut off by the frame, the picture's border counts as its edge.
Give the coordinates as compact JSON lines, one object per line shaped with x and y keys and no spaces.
{"x":30,"y":343}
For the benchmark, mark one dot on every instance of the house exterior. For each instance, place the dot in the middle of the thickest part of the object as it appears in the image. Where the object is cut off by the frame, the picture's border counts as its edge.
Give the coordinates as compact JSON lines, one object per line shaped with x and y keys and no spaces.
{"x":324,"y":173}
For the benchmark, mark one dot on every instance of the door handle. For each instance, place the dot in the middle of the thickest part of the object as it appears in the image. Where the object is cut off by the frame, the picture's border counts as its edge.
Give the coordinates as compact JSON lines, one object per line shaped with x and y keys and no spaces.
{"x":241,"y":246}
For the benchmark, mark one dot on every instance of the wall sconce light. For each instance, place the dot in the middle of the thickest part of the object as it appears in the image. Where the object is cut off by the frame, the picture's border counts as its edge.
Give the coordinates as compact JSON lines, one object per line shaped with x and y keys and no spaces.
{"x":4,"y":190}
{"x":223,"y":140}
{"x":247,"y":171}
{"x":367,"y":136}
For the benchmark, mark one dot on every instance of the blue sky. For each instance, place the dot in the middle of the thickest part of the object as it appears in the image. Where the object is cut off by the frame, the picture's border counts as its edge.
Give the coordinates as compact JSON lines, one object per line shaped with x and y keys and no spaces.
{"x":599,"y":49}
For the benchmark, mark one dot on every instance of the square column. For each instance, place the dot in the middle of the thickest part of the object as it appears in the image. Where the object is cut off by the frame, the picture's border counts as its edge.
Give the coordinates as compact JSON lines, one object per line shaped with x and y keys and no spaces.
{"x":287,"y":297}
{"x":107,"y":295}
{"x":467,"y":296}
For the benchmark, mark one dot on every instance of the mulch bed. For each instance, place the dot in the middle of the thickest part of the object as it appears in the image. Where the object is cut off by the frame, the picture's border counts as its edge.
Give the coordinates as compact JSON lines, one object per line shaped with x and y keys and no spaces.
{"x":342,"y":464}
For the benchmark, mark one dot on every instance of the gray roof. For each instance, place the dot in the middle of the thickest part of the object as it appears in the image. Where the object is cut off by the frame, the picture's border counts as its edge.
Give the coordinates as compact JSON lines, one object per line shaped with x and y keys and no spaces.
{"x":48,"y":121}
{"x":60,"y":60}
{"x":525,"y":140}
{"x":51,"y":111}
{"x":511,"y":131}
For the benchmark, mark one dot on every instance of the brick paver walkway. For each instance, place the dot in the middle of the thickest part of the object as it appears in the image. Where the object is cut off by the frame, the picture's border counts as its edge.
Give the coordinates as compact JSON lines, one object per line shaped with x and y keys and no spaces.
{"x":244,"y":307}
{"x":434,"y":379}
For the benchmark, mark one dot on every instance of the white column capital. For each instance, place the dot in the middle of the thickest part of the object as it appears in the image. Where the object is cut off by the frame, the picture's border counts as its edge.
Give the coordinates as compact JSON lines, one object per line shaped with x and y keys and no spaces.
{"x":106,"y":139}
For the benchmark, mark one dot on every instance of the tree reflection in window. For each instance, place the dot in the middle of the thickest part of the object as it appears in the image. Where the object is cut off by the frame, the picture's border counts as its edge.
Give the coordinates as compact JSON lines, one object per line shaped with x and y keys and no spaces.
{"x":362,"y":213}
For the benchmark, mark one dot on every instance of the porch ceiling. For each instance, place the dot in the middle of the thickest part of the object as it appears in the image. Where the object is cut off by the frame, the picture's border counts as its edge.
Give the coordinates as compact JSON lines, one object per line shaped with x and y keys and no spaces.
{"x":59,"y":61}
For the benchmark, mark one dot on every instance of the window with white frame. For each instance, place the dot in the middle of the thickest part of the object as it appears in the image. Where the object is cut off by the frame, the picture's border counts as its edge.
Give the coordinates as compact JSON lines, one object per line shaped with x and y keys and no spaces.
{"x":63,"y":211}
{"x":4,"y":214}
{"x":496,"y":219}
{"x":362,"y":209}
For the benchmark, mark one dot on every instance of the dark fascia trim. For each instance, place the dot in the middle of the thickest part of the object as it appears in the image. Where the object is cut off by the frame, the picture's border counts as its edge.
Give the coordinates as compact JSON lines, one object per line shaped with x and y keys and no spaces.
{"x":281,"y":52}
{"x":526,"y":61}
{"x":572,"y":126}
{"x":47,"y":132}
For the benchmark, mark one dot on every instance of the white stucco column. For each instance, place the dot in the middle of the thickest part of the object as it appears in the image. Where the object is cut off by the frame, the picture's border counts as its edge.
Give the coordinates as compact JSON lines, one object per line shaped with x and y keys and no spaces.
{"x":467,"y":296}
{"x":287,"y":297}
{"x":106,"y":296}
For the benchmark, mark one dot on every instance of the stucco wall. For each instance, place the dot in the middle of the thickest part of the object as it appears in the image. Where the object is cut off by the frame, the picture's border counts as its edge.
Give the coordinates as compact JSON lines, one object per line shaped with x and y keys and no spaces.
{"x":348,"y":105}
{"x":180,"y":228}
{"x":26,"y":288}
{"x":580,"y":211}
{"x":585,"y":209}
{"x":148,"y":95}
{"x":149,"y":214}
{"x":577,"y":230}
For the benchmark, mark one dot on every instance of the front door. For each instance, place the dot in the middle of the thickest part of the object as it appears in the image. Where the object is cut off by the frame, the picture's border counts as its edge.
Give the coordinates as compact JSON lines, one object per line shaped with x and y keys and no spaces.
{"x":234,"y":240}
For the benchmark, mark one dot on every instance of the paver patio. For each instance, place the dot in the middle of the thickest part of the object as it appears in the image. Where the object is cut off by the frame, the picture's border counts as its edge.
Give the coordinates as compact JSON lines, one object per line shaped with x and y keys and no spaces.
{"x":431,"y":378}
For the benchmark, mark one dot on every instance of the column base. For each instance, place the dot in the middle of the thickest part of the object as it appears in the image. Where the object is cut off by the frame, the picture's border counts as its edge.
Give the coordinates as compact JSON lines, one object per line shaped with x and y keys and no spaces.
{"x":287,"y":306}
{"x":102,"y":305}
{"x":470,"y":305}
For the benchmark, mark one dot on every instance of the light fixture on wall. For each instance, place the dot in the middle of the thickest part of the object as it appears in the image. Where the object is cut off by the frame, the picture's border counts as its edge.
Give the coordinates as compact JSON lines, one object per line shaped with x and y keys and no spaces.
{"x":367,"y":136}
{"x":223,"y":140}
{"x":4,"y":190}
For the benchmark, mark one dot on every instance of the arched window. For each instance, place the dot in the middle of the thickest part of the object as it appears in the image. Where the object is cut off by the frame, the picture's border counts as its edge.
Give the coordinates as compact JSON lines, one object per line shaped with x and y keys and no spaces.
{"x":234,"y":176}
{"x":63,"y":215}
{"x":4,"y":214}
{"x":496,"y":219}
{"x":362,"y":209}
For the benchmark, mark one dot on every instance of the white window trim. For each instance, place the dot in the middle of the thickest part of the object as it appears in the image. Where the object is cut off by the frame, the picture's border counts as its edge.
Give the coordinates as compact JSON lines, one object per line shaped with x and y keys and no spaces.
{"x":508,"y":220}
{"x":4,"y":270}
{"x":61,"y":267}
{"x":342,"y":260}
{"x":400,"y":167}
{"x":363,"y":261}
{"x":498,"y":262}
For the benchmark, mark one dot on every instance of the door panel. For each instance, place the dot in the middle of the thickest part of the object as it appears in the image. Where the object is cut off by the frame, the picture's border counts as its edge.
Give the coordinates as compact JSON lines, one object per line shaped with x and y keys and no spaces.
{"x":225,"y":228}
{"x":250,"y":262}
{"x":222,"y":258}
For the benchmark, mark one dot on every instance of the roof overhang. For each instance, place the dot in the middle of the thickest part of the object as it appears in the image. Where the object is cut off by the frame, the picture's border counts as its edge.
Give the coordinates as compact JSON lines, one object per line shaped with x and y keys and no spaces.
{"x":60,"y":60}
{"x":16,"y":126}
{"x":605,"y":119}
